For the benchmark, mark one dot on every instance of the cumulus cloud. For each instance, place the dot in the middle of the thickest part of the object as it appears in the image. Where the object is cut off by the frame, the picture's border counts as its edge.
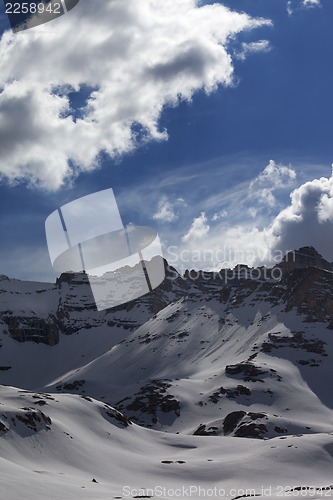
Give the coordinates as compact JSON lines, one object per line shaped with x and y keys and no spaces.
{"x":168,"y":211}
{"x":198,"y":229}
{"x":308,"y":220}
{"x":212,"y":248}
{"x":273,"y":178}
{"x":136,"y":57}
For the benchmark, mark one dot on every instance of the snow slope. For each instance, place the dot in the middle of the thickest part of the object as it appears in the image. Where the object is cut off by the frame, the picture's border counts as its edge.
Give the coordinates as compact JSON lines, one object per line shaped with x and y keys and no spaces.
{"x":57,"y":447}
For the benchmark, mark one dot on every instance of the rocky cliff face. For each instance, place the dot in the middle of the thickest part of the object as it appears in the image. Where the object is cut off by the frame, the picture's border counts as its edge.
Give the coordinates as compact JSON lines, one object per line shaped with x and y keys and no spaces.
{"x":32,"y":329}
{"x":303,"y":258}
{"x":41,"y":312}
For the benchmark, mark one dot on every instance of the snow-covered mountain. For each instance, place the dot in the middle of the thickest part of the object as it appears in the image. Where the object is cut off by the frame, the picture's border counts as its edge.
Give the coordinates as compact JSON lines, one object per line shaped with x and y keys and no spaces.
{"x":235,"y":366}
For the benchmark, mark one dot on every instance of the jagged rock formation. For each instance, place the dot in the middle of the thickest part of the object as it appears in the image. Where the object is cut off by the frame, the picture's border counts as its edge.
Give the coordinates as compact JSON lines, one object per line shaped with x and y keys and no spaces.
{"x":40,"y":312}
{"x":303,"y":258}
{"x":68,"y":305}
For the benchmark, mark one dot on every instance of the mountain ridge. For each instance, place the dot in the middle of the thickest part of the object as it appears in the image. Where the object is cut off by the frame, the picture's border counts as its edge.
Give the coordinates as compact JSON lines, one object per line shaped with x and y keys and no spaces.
{"x":166,"y":320}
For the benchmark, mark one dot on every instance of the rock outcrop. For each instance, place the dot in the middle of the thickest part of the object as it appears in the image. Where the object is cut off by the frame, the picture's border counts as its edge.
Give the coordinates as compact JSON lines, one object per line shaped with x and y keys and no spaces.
{"x":303,"y":258}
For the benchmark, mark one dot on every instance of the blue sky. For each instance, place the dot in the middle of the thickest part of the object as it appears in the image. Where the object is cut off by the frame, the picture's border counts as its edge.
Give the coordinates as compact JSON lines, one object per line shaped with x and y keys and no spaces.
{"x":215,"y":168}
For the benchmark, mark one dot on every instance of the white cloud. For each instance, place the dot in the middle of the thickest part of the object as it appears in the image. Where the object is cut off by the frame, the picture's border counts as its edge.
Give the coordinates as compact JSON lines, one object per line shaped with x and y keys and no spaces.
{"x":139,"y":56}
{"x":294,"y":5}
{"x":308,"y":220}
{"x":273,"y":178}
{"x":198,"y":229}
{"x":219,"y":215}
{"x":258,"y":240}
{"x":311,"y":2}
{"x":253,"y":48}
{"x":222,"y":246}
{"x":167,"y":211}
{"x":276,"y":175}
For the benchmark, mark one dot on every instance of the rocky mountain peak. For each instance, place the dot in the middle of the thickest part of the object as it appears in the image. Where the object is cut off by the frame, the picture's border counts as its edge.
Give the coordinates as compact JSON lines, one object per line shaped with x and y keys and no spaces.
{"x":303,"y":258}
{"x":71,"y":277}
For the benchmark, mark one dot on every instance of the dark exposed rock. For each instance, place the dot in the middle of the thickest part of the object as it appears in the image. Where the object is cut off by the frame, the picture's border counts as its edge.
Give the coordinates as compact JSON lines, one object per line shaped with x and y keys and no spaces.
{"x":310,"y":292}
{"x":40,"y":402}
{"x":117,"y":416}
{"x":297,"y":341}
{"x":279,"y":430}
{"x":248,"y":371}
{"x":71,"y":277}
{"x":243,"y":424}
{"x":232,"y":420}
{"x":150,"y":399}
{"x":303,"y":258}
{"x":251,"y":430}
{"x":34,"y":420}
{"x":240,"y":390}
{"x":71,"y":386}
{"x":3,"y":428}
{"x":202,"y":430}
{"x":32,"y":329}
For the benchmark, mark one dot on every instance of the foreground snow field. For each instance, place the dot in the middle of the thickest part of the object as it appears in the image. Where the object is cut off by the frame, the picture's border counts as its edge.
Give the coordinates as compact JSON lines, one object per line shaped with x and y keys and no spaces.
{"x":54,"y":446}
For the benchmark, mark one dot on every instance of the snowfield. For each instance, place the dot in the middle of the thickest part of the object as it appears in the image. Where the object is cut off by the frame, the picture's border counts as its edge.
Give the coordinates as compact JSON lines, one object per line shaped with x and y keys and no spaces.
{"x":58,"y":444}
